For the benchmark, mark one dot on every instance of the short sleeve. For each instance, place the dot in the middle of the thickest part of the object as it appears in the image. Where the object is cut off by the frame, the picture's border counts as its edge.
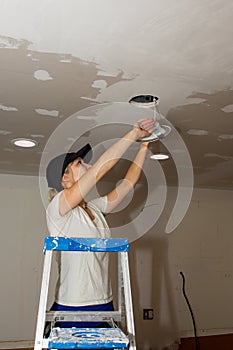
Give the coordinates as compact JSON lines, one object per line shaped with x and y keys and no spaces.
{"x":53,"y":207}
{"x":55,"y":221}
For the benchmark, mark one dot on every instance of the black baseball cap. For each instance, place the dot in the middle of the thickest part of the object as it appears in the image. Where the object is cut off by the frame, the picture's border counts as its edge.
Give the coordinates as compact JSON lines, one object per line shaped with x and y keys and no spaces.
{"x":57,"y":165}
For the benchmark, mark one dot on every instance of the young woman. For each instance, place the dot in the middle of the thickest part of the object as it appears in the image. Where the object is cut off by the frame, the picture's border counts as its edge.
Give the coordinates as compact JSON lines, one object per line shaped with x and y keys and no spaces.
{"x":83,"y":282}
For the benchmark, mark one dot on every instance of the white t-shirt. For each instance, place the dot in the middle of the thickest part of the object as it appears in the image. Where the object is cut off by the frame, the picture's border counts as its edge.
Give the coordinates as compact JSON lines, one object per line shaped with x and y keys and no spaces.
{"x":83,"y":276}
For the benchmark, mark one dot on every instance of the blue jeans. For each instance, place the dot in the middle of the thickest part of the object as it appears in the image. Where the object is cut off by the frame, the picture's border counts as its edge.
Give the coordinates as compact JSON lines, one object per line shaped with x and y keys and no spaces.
{"x":100,"y":307}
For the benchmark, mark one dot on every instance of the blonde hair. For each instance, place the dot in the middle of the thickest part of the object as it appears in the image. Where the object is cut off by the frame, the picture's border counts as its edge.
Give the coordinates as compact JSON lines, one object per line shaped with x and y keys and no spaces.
{"x":52,"y":193}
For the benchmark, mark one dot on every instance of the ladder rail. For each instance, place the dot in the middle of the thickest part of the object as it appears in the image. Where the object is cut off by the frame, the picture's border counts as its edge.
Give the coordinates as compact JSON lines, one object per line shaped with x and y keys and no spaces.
{"x":121,"y":296}
{"x":43,"y":300}
{"x":124,"y":313}
{"x":128,"y":299}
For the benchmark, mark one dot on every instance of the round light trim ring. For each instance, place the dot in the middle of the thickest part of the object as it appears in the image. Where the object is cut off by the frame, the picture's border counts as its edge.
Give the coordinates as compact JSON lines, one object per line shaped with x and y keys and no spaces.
{"x":160,"y":156}
{"x":25,"y":143}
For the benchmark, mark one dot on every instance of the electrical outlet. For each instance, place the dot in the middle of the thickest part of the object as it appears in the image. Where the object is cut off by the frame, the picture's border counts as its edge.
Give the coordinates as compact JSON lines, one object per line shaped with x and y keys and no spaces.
{"x":148,"y":314}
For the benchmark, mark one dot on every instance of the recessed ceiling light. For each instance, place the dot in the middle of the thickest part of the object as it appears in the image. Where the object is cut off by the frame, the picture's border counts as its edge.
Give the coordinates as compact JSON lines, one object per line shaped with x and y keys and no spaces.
{"x":159,"y":156}
{"x":26,"y":143}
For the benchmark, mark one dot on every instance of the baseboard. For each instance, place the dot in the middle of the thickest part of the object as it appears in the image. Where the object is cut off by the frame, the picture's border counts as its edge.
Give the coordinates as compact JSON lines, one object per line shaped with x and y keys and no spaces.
{"x":10,"y":345}
{"x":210,"y":342}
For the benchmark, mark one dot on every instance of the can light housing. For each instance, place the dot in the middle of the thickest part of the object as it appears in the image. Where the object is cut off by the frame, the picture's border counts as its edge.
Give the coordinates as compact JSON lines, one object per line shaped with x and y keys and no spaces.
{"x":151,"y":101}
{"x":24,"y":143}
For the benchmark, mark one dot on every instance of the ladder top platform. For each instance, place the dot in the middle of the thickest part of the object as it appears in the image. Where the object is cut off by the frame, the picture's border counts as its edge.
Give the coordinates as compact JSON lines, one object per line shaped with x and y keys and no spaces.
{"x":86,"y":244}
{"x":87,"y":338}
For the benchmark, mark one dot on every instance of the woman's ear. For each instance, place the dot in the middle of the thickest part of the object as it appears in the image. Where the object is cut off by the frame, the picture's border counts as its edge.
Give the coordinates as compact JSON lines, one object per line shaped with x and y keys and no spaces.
{"x":65,"y":179}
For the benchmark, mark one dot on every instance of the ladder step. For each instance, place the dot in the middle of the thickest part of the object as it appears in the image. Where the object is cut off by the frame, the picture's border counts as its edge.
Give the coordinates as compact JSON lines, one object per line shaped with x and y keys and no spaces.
{"x":86,"y":244}
{"x":87,"y":338}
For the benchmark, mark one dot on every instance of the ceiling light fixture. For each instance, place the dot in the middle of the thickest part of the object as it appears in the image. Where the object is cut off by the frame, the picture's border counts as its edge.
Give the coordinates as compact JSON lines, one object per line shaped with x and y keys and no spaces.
{"x":150,"y":101}
{"x":25,"y":143}
{"x":159,"y":156}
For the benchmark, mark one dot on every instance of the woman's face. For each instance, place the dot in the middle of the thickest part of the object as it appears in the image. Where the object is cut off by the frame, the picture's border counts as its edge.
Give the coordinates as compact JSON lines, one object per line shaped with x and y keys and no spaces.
{"x":74,"y":172}
{"x":78,"y":168}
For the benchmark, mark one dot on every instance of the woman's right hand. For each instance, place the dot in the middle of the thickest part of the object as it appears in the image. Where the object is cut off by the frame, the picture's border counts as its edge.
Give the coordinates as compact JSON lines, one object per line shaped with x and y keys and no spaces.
{"x":144,"y":127}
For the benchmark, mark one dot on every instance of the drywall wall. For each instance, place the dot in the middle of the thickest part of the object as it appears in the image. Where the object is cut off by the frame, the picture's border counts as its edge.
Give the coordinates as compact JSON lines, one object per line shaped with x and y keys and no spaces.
{"x":22,"y":231}
{"x":200,"y":247}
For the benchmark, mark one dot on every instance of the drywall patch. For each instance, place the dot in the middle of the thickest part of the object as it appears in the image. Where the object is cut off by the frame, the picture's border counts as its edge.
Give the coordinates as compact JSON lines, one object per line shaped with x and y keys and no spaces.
{"x":196,"y":100}
{"x":42,"y":75}
{"x":8,"y":150}
{"x":8,"y":109}
{"x":53,"y":113}
{"x":225,"y":137}
{"x":107,"y":74}
{"x":33,"y":58}
{"x":197,"y":132}
{"x":88,"y":99}
{"x":65,"y":60}
{"x":5,"y":132}
{"x":227,"y":109}
{"x":11,"y":43}
{"x":99,"y":84}
{"x":37,"y":136}
{"x":215,"y":155}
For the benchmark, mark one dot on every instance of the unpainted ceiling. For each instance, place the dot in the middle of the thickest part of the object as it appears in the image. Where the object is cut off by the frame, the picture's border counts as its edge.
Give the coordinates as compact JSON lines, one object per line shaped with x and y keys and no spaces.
{"x":60,"y":57}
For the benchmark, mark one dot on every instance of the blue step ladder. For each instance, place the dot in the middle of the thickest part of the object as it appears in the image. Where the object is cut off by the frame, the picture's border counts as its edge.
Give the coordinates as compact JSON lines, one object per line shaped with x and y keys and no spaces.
{"x":120,"y":335}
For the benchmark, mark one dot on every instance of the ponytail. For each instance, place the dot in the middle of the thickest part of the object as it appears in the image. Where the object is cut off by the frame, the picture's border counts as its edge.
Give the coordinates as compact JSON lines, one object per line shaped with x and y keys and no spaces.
{"x":52,"y":193}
